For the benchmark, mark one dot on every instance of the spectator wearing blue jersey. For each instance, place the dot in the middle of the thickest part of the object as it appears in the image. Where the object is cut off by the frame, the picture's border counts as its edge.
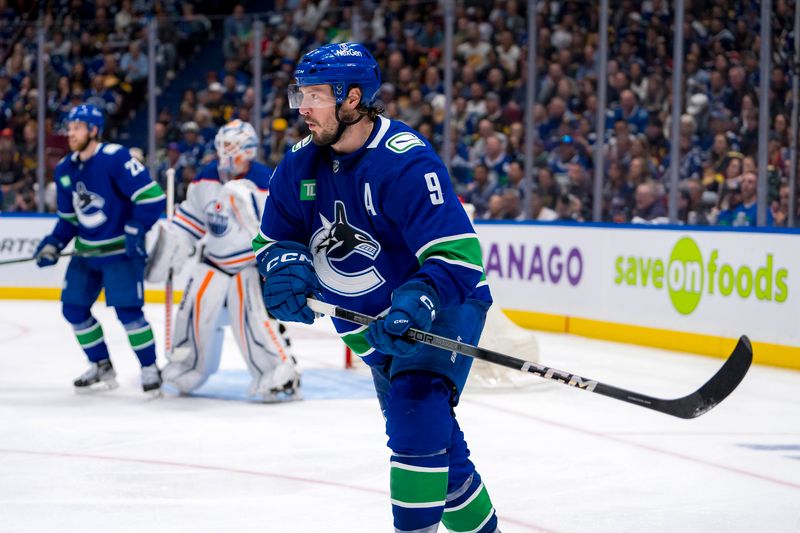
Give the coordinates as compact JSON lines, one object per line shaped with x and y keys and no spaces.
{"x":629,"y":111}
{"x":361,"y":213}
{"x":106,"y":202}
{"x":745,"y":213}
{"x":192,"y":146}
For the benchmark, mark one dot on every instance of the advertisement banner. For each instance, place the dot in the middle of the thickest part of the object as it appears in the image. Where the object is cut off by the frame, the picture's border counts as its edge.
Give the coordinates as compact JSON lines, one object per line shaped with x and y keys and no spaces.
{"x":713,"y":283}
{"x":19,"y":236}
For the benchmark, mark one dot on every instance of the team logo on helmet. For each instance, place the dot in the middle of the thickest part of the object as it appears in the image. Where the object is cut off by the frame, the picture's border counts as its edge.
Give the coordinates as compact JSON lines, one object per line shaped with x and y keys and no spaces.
{"x":338,"y":246}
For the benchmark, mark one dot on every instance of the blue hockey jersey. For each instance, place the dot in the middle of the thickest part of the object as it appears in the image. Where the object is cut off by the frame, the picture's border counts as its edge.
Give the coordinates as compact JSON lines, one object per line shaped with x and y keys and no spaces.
{"x":374,"y":219}
{"x":97,"y":197}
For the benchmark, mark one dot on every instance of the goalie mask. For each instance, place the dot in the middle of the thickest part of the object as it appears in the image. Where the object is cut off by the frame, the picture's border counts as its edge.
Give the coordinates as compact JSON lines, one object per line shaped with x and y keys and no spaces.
{"x":236,"y":144}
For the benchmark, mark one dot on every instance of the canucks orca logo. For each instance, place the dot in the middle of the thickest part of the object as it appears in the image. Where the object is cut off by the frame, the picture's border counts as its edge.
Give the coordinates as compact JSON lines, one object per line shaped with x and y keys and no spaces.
{"x":336,"y":242}
{"x":88,"y":206}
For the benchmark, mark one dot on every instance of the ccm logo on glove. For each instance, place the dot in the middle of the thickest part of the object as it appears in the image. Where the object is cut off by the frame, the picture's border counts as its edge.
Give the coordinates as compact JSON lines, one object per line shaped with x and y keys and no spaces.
{"x":288,"y":257}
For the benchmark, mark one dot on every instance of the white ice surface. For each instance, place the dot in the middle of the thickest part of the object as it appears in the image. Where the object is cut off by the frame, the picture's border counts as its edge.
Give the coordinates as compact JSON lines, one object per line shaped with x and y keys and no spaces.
{"x":553,"y":458}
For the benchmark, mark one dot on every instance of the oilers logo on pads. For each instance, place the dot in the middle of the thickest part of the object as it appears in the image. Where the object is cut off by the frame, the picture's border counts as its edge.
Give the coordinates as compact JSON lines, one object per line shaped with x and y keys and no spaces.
{"x":88,"y":206}
{"x":217,"y":219}
{"x":341,"y":251}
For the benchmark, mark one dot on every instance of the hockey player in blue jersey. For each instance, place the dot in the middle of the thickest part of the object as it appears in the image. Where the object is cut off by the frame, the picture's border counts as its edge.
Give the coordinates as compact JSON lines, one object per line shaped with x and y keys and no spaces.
{"x":106,"y":202}
{"x":361,"y":213}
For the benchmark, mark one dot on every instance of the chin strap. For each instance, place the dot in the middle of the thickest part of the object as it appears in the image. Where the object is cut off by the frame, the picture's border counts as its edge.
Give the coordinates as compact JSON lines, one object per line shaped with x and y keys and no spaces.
{"x":342,"y":125}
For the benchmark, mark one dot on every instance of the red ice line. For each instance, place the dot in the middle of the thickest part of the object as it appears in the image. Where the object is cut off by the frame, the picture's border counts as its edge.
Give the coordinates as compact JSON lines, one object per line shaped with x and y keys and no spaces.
{"x":636,"y":444}
{"x":235,"y":471}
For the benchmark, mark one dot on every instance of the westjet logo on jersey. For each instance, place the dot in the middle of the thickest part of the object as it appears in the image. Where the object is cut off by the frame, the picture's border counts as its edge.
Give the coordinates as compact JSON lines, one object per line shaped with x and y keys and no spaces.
{"x":88,"y":206}
{"x":337,"y":246}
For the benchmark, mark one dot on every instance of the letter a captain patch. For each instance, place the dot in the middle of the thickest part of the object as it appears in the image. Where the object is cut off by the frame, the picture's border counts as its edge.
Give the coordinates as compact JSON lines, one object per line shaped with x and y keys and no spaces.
{"x":308,"y":189}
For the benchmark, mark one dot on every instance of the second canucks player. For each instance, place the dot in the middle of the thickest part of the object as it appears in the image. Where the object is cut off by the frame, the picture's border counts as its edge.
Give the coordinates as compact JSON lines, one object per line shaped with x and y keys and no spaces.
{"x":106,"y":202}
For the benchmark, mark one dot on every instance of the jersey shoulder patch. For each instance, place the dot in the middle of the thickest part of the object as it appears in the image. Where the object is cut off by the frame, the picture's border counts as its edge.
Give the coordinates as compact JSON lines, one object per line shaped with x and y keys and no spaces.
{"x":402,"y":142}
{"x":111,"y":148}
{"x":301,"y":144}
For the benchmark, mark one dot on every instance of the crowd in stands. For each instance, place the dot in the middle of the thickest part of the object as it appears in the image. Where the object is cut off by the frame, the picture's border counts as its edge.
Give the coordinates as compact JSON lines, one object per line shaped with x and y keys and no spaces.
{"x":95,"y":52}
{"x":718,"y":128}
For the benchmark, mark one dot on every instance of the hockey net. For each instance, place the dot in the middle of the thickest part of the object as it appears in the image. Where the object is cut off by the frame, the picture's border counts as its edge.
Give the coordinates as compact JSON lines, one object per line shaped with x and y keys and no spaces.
{"x":502,"y":335}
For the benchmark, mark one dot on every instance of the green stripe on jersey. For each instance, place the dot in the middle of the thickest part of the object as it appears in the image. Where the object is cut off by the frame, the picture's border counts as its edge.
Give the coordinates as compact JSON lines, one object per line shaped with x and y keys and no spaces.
{"x":355,"y":341}
{"x":261,"y":243}
{"x":89,"y":336}
{"x":72,"y":218}
{"x":100,"y":247}
{"x":420,"y":487}
{"x":465,"y":249}
{"x":149,"y":193}
{"x":470,"y":515}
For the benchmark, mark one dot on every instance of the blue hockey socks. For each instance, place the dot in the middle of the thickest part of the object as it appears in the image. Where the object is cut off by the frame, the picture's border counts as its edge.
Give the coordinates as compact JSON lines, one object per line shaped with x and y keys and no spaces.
{"x":418,"y":488}
{"x":90,"y":337}
{"x":140,"y":334}
{"x":469,"y":508}
{"x":87,"y":330}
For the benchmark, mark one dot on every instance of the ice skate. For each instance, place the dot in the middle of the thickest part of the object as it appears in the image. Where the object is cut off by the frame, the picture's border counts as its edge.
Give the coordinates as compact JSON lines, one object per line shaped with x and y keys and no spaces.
{"x":151,"y":380}
{"x":100,"y":376}
{"x":281,"y":386}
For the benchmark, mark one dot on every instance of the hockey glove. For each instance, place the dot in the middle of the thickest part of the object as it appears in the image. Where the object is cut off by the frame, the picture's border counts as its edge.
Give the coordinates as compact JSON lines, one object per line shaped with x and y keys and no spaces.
{"x":289,"y":278}
{"x":414,"y":305}
{"x":48,"y":251}
{"x":134,"y":240}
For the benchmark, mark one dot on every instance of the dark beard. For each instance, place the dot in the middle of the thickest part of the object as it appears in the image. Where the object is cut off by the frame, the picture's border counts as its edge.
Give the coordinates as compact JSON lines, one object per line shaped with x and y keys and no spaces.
{"x":323,"y":138}
{"x":85,"y":144}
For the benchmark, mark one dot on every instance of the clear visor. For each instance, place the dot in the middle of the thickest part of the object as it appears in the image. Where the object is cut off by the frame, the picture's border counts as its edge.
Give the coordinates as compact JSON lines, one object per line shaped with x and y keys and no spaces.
{"x":313,"y":96}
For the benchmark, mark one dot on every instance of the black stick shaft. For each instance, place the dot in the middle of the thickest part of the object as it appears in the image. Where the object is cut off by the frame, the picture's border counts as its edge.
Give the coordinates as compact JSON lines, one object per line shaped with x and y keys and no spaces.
{"x":693,"y":405}
{"x":26,"y":259}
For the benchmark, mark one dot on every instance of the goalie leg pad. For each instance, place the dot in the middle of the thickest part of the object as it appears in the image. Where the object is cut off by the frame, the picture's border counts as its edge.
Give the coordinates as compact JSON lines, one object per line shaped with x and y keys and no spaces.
{"x":260,"y":338}
{"x":198,"y":334}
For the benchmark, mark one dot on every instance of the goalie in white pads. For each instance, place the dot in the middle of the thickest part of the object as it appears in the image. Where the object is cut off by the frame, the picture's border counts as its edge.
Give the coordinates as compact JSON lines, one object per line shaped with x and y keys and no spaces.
{"x":223,"y":206}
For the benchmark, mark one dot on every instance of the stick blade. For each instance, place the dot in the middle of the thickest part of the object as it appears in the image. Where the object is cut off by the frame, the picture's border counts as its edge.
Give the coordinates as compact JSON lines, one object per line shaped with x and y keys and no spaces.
{"x":719,"y":387}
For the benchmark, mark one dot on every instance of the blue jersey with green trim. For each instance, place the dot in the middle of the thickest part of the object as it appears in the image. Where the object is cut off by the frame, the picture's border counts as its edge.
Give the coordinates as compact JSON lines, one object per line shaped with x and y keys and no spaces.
{"x":374,"y":219}
{"x":97,"y":197}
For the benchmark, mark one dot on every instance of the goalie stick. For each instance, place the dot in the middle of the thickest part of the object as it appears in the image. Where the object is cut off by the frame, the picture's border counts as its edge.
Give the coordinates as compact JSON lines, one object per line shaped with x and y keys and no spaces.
{"x":170,"y":175}
{"x":692,"y":405}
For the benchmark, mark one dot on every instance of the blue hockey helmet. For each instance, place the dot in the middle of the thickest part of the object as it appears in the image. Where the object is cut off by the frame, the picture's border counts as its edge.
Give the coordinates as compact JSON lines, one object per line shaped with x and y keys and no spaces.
{"x":88,"y":114}
{"x":341,"y":66}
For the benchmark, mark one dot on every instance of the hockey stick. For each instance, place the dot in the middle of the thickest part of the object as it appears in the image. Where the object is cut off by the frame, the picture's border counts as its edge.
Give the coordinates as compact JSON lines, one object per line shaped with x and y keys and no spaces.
{"x":65,"y":254}
{"x":693,"y":405}
{"x":168,"y":284}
